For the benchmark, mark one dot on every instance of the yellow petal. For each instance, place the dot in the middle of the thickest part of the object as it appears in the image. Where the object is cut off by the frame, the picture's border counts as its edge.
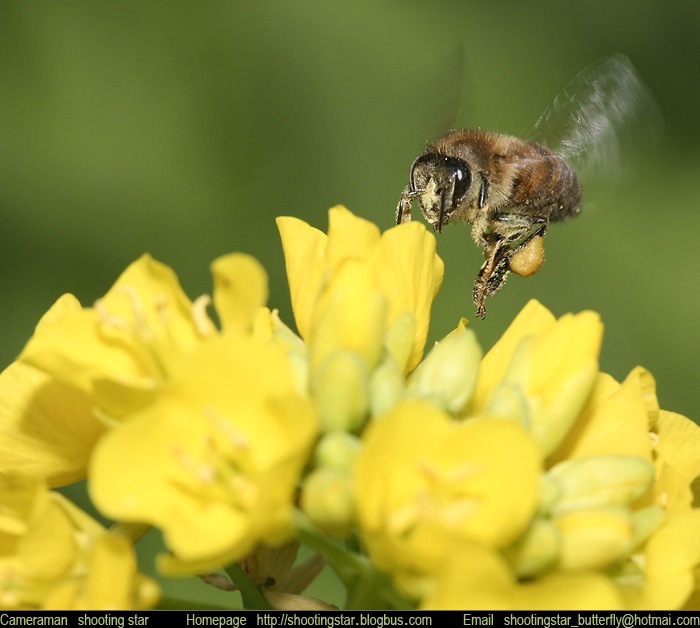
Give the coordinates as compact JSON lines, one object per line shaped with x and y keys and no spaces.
{"x":533,"y":320}
{"x":240,"y":290}
{"x":305,"y":258}
{"x":672,"y":554}
{"x":477,"y":578}
{"x":114,"y":581}
{"x":678,"y":444}
{"x":34,"y":530}
{"x":64,"y":305}
{"x":593,"y":539}
{"x":349,"y":237}
{"x":47,"y":428}
{"x":409,"y":272}
{"x":614,"y":420}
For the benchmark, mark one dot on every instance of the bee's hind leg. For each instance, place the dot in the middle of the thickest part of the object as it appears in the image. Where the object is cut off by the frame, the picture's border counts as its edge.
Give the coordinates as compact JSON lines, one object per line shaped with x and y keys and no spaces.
{"x":492,"y":275}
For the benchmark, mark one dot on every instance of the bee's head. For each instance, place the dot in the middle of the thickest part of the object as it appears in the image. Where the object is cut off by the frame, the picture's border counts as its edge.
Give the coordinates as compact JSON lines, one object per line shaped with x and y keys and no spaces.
{"x":440,"y":182}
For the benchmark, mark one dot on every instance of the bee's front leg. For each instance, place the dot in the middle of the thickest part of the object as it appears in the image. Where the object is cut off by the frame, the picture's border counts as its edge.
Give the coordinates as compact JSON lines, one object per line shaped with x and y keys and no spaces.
{"x":403,"y":209}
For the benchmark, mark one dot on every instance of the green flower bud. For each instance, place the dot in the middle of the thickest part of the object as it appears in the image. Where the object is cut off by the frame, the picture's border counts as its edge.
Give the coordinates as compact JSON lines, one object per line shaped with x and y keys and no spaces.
{"x":337,"y":450}
{"x":448,"y":374}
{"x":326,"y":499}
{"x":645,"y":521}
{"x":386,"y":387}
{"x":536,"y":550}
{"x":340,"y":387}
{"x":550,"y":493}
{"x":508,"y":402}
{"x":599,"y":481}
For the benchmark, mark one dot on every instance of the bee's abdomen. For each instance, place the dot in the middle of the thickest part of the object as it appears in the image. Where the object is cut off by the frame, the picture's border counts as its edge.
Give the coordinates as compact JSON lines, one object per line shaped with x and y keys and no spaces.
{"x":546,"y":185}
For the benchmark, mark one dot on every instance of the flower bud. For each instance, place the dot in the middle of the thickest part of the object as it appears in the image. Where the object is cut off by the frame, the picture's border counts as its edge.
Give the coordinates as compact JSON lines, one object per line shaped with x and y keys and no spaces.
{"x":340,"y":387}
{"x":447,"y":375}
{"x":536,"y":550}
{"x":645,"y":521}
{"x":351,"y":315}
{"x":327,"y":500}
{"x":599,"y":481}
{"x":337,"y":450}
{"x":386,"y":387}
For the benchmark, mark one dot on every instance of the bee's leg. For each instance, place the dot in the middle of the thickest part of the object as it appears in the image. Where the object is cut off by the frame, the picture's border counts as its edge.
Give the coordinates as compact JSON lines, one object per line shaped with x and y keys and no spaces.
{"x":403,"y":210}
{"x":492,"y":275}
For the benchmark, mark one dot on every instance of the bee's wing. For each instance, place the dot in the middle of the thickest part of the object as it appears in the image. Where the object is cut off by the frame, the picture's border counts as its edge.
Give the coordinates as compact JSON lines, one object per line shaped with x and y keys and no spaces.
{"x":600,"y":118}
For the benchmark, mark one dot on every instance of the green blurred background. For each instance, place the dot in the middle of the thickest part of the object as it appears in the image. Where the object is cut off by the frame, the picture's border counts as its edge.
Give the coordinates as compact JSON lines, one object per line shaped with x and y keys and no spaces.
{"x":184,"y":128}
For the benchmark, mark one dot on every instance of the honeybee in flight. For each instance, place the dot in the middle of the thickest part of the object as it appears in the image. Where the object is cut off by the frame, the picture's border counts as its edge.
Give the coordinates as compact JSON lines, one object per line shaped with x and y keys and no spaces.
{"x":510,"y":189}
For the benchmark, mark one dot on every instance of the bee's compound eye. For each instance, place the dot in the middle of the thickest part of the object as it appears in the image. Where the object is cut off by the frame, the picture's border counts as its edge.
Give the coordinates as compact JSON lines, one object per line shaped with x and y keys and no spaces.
{"x":445,"y":170}
{"x":462,"y":175}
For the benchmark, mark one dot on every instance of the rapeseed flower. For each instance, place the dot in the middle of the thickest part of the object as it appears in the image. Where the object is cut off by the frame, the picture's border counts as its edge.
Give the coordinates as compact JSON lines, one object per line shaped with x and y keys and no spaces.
{"x":54,"y":556}
{"x":519,"y":478}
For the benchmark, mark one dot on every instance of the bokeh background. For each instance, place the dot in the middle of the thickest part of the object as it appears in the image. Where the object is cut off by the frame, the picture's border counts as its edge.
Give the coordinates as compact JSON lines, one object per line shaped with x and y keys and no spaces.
{"x":184,"y":128}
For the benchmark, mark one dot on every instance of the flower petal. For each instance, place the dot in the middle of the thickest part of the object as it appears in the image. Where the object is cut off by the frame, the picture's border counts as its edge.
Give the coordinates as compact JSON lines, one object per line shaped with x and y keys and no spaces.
{"x":47,"y":428}
{"x":305,"y":258}
{"x":240,"y":290}
{"x":476,"y":577}
{"x":349,"y":237}
{"x":614,"y":421}
{"x":409,"y":272}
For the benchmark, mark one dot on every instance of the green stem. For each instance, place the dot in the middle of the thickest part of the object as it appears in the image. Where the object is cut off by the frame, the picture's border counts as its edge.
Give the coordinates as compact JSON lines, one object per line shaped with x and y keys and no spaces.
{"x":253,"y":599}
{"x":366,"y":587}
{"x":348,"y":565}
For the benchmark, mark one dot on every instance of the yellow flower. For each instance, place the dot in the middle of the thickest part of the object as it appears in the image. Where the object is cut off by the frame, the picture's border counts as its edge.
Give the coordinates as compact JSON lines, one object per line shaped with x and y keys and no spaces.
{"x":54,"y":556}
{"x":47,"y":429}
{"x":476,"y":577}
{"x":665,"y":572}
{"x":350,"y":287}
{"x":541,"y":371}
{"x":423,"y":481}
{"x":125,"y":347}
{"x":662,"y":576}
{"x":122,"y":351}
{"x":214,"y":463}
{"x":615,"y":419}
{"x":677,"y":443}
{"x":112,"y":581}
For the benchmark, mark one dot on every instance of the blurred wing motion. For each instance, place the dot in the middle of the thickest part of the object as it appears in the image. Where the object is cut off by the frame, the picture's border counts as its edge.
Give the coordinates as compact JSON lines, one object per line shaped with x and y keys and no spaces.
{"x":603,"y":112}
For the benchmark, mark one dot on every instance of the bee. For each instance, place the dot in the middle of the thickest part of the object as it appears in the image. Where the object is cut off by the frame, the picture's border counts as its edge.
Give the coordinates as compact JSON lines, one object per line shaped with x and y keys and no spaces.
{"x":509,"y":188}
